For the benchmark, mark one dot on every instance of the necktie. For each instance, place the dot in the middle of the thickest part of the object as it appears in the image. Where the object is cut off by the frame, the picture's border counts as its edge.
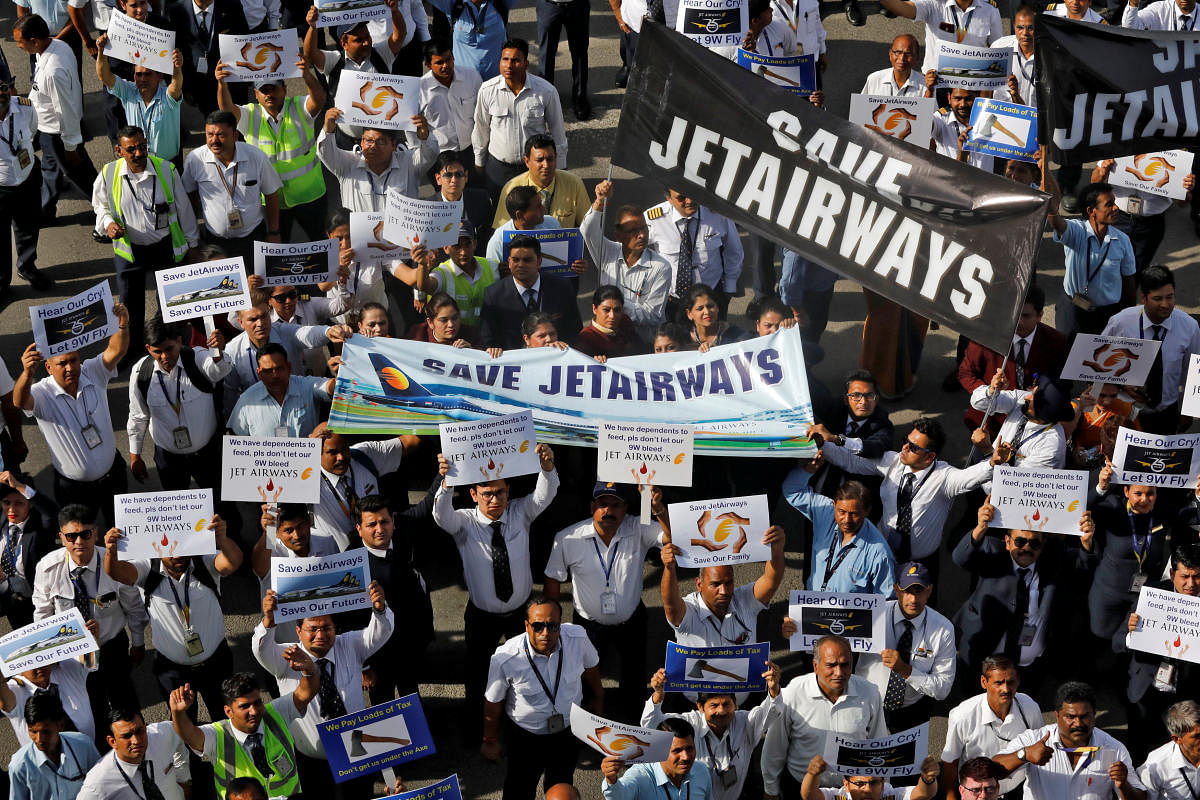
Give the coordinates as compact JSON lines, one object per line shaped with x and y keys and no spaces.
{"x":530,"y":300}
{"x":149,"y":787}
{"x":258,"y":754}
{"x":1183,"y":22}
{"x":8,"y":558}
{"x":683,"y":273}
{"x":1017,"y":434}
{"x":904,"y":498}
{"x":1021,"y":355}
{"x":893,"y":696}
{"x":83,"y":600}
{"x":331,"y":701}
{"x":51,"y":690}
{"x":1012,"y":647}
{"x":501,"y":570}
{"x":202,"y":24}
{"x":1154,"y":380}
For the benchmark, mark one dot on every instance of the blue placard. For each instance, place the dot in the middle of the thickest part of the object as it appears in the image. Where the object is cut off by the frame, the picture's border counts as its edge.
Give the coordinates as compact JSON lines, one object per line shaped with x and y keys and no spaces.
{"x":1000,"y":128}
{"x":380,"y":736}
{"x":797,"y":74}
{"x":732,"y":668}
{"x":446,"y":789}
{"x":560,"y":248}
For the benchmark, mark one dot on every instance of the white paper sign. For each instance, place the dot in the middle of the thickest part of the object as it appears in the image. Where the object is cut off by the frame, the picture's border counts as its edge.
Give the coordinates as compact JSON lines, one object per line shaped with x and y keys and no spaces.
{"x":1110,"y":359}
{"x":1051,"y":500}
{"x":434,"y":223}
{"x":140,"y":44}
{"x":296,"y":264}
{"x":631,"y":744}
{"x":713,"y":23}
{"x":270,"y":470}
{"x":888,"y":756}
{"x":907,"y":118}
{"x":349,"y":12}
{"x":726,"y":531}
{"x":72,"y":324}
{"x":965,"y":66}
{"x":1191,"y":388}
{"x":1159,"y":173}
{"x":1166,"y":462}
{"x":261,"y":56}
{"x":372,"y":100}
{"x":367,"y":239}
{"x":645,"y":453}
{"x":165,"y":524}
{"x":498,"y":447}
{"x":860,"y":618}
{"x":309,"y":587}
{"x":196,"y":290}
{"x":46,"y":642}
{"x":1168,"y":625}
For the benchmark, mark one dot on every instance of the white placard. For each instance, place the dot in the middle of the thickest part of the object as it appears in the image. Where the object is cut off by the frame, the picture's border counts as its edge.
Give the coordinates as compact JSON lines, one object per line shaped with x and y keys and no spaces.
{"x":1049,"y":500}
{"x":631,"y":744}
{"x":140,"y":44}
{"x":489,"y":449}
{"x":713,"y":23}
{"x":966,"y":66}
{"x":1168,"y":625}
{"x":195,"y":290}
{"x":165,"y":524}
{"x":907,"y":118}
{"x":332,"y":13}
{"x":46,"y":642}
{"x":269,"y":56}
{"x":368,"y":242}
{"x":270,"y":470}
{"x":1110,"y":359}
{"x":1160,"y":173}
{"x":1191,"y":387}
{"x":372,"y":100}
{"x":885,"y":757}
{"x":434,"y":223}
{"x":860,"y":618}
{"x":645,"y":453}
{"x":72,"y":324}
{"x":296,"y":264}
{"x":725,"y":531}
{"x":310,"y":587}
{"x":1166,"y":462}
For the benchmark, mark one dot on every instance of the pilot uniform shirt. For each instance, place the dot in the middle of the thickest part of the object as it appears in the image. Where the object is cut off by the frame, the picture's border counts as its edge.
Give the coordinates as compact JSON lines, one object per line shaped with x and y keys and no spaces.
{"x":802,"y":18}
{"x":645,"y":285}
{"x":166,"y":759}
{"x":250,"y":176}
{"x":979,"y":25}
{"x":165,"y":608}
{"x":932,"y":656}
{"x":70,"y":676}
{"x":1158,"y":17}
{"x":593,"y":568}
{"x":701,"y":628}
{"x":716,"y":248}
{"x":1167,"y":775}
{"x":18,"y":126}
{"x":113,"y":604}
{"x":511,"y":679}
{"x":973,"y":729}
{"x":1060,"y":10}
{"x":61,"y":419}
{"x":1087,"y":780}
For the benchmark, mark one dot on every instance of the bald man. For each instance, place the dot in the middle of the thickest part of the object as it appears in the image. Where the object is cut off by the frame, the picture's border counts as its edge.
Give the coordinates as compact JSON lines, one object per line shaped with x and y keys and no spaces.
{"x":562,"y":791}
{"x":900,"y":79}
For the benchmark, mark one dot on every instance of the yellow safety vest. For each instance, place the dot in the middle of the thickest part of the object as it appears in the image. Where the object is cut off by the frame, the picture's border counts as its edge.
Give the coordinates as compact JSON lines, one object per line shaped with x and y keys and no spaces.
{"x":292,"y":151}
{"x":122,"y":246}
{"x":234,"y":762}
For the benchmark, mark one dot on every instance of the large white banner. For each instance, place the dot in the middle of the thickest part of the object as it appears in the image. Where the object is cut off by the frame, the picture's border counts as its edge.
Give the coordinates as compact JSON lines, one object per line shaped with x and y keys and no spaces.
{"x":1170,"y":462}
{"x":1168,"y":625}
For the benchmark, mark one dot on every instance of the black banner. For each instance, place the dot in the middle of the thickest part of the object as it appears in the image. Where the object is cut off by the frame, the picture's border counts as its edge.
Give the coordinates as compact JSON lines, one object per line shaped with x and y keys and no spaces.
{"x":942,"y":238}
{"x":1105,"y":91}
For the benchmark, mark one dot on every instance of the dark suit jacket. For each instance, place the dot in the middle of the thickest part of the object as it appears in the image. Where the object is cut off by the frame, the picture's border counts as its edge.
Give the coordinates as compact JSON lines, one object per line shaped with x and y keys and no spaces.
{"x":38,"y":538}
{"x":504,"y":309}
{"x":1142,"y":666}
{"x":876,"y":433}
{"x":477,"y":208}
{"x":983,"y":620}
{"x":226,"y":17}
{"x":1046,"y":357}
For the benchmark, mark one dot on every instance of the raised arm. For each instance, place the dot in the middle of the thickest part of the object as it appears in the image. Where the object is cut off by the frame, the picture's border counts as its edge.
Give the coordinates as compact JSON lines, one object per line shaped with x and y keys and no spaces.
{"x":672,"y":600}
{"x":103,"y":70}
{"x":120,"y":571}
{"x":22,"y":395}
{"x":310,"y":683}
{"x":118,"y":343}
{"x":180,"y":701}
{"x":230,"y":556}
{"x":772,"y":577}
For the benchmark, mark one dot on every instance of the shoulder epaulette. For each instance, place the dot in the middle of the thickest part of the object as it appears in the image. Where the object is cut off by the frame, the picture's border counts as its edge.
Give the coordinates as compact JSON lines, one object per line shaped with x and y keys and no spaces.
{"x":1049,"y":6}
{"x":654,"y":213}
{"x":943,"y":111}
{"x":24,"y":101}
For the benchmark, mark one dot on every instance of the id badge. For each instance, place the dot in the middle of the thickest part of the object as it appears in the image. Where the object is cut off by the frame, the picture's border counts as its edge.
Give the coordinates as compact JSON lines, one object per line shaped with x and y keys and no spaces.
{"x":1139,"y":580}
{"x":1081,"y":300}
{"x":191,"y":640}
{"x":23,"y":158}
{"x":91,"y":436}
{"x":555,"y":724}
{"x":1028,"y":631}
{"x":202,"y":64}
{"x":1164,"y":677}
{"x":162,"y":220}
{"x":183,"y":439}
{"x":608,"y":603}
{"x":1135,"y":205}
{"x":235,"y":220}
{"x":728,"y":776}
{"x":281,"y":432}
{"x":283,"y":766}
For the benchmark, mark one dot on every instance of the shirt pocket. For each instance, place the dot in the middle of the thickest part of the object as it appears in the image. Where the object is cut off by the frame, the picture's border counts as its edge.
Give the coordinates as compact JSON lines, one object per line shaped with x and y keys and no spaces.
{"x":533,"y":117}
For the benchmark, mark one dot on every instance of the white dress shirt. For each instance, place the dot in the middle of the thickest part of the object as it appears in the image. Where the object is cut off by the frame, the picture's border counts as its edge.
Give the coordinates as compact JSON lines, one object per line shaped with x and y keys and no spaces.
{"x":883,"y":83}
{"x":1025,"y":70}
{"x":451,"y":109}
{"x":18,"y":126}
{"x":1167,"y":775}
{"x":1041,"y":445}
{"x":333,"y":513}
{"x":56,"y":93}
{"x":243,"y":355}
{"x":936,"y":486}
{"x":258,"y":11}
{"x":1060,"y":10}
{"x":645,"y":284}
{"x":1087,"y":780}
{"x":803,"y":20}
{"x":70,"y":677}
{"x":808,"y":718}
{"x":364,"y":190}
{"x":594,"y":568}
{"x":61,"y":419}
{"x":717,"y":248}
{"x":1164,"y":16}
{"x":350,"y":649}
{"x":250,"y":175}
{"x":165,"y":608}
{"x":979,"y":25}
{"x":932,"y":656}
{"x":473,"y":537}
{"x":113,"y":604}
{"x":946,"y":130}
{"x":166,"y":760}
{"x":156,"y":411}
{"x":511,"y":679}
{"x":504,"y":121}
{"x":139,"y":195}
{"x":974,"y":730}
{"x":734,"y":749}
{"x":701,"y":628}
{"x":1180,"y":339}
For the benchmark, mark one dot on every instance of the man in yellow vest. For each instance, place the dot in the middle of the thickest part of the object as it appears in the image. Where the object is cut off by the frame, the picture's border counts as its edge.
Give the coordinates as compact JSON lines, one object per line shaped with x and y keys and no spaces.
{"x":147,"y":215}
{"x":463,"y":275}
{"x":282,"y":127}
{"x":254,"y":742}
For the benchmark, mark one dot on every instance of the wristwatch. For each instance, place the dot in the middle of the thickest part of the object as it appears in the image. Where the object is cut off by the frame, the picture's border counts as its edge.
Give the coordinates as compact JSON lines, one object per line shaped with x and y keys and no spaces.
{"x":1021,"y":754}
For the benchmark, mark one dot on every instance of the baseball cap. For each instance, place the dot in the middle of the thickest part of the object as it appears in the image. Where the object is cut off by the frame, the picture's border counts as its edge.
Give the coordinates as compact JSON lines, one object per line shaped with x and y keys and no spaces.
{"x":608,"y":487}
{"x":269,"y":82}
{"x":913,"y":573}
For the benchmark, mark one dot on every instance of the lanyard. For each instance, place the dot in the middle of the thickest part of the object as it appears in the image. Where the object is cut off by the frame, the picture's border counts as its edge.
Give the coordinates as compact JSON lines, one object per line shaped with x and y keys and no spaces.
{"x":1140,"y":549}
{"x":1142,"y":332}
{"x":185,"y":608}
{"x":668,"y":793}
{"x":741,"y":637}
{"x":1030,"y":438}
{"x":149,"y":114}
{"x":87,"y":412}
{"x":916,"y":489}
{"x":1188,"y":781}
{"x":612,"y":556}
{"x":730,"y":753}
{"x":11,"y":140}
{"x":767,"y":39}
{"x":1090,"y":750}
{"x":1092,"y":273}
{"x":793,"y":18}
{"x":831,"y":565}
{"x":960,"y":32}
{"x":1022,"y":61}
{"x":347,"y":505}
{"x":371,"y":179}
{"x":557,"y":678}
{"x":149,"y":209}
{"x":177,"y":406}
{"x":221,"y":173}
{"x":120,"y":769}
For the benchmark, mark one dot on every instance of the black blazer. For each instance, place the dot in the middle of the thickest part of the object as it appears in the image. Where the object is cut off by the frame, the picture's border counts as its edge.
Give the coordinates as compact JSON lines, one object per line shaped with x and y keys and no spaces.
{"x":38,"y":538}
{"x":226,"y":17}
{"x":876,"y":433}
{"x":477,"y":208}
{"x":504,"y":309}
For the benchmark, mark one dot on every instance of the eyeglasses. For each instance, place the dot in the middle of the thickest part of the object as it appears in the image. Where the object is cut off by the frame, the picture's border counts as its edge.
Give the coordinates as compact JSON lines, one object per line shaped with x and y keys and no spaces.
{"x":856,"y":396}
{"x":285,"y":296}
{"x":1032,"y":544}
{"x":902,"y":53}
{"x":454,"y":174}
{"x":71,"y":536}
{"x":318,"y":629}
{"x":916,"y":448}
{"x":865,"y":784}
{"x":542,"y":627}
{"x":981,"y":790}
{"x":494,"y":494}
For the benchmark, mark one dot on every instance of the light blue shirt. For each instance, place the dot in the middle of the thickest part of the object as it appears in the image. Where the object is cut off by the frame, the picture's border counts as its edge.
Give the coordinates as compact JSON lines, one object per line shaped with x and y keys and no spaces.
{"x":53,"y":11}
{"x":868,"y":567}
{"x":1082,"y":253}
{"x":34,"y":777}
{"x":495,"y":245}
{"x":649,"y":782}
{"x":478,"y":34}
{"x":257,"y":414}
{"x":159,"y":120}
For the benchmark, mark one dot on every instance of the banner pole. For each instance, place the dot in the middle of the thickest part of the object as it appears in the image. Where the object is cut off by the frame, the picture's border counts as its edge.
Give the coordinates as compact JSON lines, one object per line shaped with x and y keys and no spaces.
{"x":991,"y":408}
{"x":604,"y":208}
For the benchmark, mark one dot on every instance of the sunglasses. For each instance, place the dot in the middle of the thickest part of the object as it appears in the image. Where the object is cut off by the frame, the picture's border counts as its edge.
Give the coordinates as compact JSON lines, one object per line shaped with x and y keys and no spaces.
{"x":85,"y":535}
{"x":916,"y":448}
{"x":285,"y":296}
{"x":542,"y":627}
{"x":454,"y":174}
{"x":1032,"y":544}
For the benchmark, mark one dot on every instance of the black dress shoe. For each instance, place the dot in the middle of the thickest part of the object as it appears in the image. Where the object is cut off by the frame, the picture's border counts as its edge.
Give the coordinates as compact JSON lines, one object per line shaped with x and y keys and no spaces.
{"x":854,"y":14}
{"x":583,"y":110}
{"x":622,"y":78}
{"x":37,"y":279}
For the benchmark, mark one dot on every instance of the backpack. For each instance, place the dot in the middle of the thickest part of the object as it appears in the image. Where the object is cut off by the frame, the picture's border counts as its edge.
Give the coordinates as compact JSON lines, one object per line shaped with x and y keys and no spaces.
{"x":187,"y":358}
{"x":203,"y":577}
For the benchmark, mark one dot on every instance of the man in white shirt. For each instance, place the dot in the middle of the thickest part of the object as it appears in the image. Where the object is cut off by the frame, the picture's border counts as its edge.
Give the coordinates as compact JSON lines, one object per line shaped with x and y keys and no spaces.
{"x":950,"y":130}
{"x":1022,"y":88}
{"x":1071,"y":757}
{"x":20,"y":189}
{"x":899,"y":80}
{"x":974,"y":22}
{"x":448,"y":95}
{"x":378,"y":165}
{"x":350,"y":473}
{"x":1179,"y":15}
{"x":1172,"y":771}
{"x":526,"y":212}
{"x":27,"y":532}
{"x":1032,"y":427}
{"x":701,"y":245}
{"x":144,"y":759}
{"x":293,"y":538}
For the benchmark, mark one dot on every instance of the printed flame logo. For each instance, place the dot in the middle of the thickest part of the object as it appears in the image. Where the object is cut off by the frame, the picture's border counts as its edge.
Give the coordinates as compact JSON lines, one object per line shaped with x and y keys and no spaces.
{"x":892,"y":121}
{"x":306,"y":474}
{"x":1036,"y":522}
{"x":727,"y":523}
{"x":1037,"y":514}
{"x":1111,"y":361}
{"x":491,"y":463}
{"x":524,"y":446}
{"x":270,"y":484}
{"x":378,"y":100}
{"x":1074,"y":505}
{"x":200,"y":525}
{"x":1151,"y":169}
{"x":165,"y":541}
{"x":258,"y":62}
{"x":1178,"y":641}
{"x":394,"y":378}
{"x":643,"y":469}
